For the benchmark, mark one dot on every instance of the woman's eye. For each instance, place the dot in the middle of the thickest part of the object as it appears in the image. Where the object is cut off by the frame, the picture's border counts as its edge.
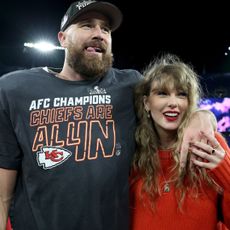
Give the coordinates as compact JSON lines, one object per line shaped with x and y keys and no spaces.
{"x":183,"y":94}
{"x":161,"y":93}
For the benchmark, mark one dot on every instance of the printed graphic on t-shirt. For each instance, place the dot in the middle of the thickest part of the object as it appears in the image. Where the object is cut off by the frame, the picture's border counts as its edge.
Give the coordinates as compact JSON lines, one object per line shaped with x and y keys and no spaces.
{"x":84,"y":124}
{"x":49,"y":157}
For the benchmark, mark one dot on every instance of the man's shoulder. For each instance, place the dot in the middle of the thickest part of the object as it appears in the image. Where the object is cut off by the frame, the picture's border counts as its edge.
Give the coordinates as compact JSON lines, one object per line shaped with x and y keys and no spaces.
{"x":20,"y":76}
{"x":21,"y":72}
{"x":130,"y":75}
{"x":126,"y":71}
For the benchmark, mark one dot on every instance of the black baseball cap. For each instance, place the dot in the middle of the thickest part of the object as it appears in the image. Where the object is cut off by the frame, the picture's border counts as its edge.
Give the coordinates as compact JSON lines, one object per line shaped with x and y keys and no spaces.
{"x":79,"y":8}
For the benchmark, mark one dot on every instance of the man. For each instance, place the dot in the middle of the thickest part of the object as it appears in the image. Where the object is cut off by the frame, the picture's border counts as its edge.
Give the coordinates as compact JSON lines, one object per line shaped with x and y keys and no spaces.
{"x":66,"y":138}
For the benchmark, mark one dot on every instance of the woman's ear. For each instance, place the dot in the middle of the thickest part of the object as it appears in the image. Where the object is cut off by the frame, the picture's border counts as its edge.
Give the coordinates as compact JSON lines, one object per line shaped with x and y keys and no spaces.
{"x":146,"y":104}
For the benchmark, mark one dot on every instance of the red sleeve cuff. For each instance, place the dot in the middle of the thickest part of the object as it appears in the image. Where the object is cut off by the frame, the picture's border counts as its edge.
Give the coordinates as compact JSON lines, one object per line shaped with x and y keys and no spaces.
{"x":221,"y":173}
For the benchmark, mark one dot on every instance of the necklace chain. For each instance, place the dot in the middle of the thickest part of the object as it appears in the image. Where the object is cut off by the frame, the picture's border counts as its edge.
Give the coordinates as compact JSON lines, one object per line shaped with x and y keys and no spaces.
{"x":166,"y":185}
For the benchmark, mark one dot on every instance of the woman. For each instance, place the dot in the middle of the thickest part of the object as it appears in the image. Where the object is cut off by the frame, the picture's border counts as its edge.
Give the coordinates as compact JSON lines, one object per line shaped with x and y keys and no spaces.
{"x":161,"y":195}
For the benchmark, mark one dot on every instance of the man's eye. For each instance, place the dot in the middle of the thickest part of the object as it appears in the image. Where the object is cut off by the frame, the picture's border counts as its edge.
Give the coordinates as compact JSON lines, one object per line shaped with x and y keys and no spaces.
{"x":106,"y":29}
{"x":86,"y":26}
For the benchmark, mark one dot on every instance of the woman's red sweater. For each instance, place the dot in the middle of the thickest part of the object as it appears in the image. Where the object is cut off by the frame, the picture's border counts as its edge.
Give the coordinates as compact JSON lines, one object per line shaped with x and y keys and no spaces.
{"x":197,"y":213}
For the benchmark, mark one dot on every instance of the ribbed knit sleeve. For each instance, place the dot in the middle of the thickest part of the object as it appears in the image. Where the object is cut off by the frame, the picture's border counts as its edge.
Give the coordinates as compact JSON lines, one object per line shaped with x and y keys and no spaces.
{"x":226,"y":208}
{"x":221,"y":173}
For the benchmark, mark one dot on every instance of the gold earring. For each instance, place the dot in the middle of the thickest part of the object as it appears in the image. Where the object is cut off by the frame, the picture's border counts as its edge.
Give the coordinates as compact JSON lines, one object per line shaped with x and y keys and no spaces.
{"x":148,"y":113}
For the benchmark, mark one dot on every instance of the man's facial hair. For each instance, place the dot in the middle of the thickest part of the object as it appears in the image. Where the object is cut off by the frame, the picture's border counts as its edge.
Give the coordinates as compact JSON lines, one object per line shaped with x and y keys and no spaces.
{"x":88,"y":67}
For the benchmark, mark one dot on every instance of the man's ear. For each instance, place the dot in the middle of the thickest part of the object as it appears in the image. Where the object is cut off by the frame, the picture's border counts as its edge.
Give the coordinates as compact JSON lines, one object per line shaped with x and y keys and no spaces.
{"x":62,"y":39}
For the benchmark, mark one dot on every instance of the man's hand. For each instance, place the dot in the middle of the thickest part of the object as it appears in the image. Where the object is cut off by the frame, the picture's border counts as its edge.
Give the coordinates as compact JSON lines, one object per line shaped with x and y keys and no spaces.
{"x":211,"y":154}
{"x":200,"y":121}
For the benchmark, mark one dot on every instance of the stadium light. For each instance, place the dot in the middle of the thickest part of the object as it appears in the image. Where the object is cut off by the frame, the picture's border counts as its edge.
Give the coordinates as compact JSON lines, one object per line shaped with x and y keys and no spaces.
{"x":43,"y":46}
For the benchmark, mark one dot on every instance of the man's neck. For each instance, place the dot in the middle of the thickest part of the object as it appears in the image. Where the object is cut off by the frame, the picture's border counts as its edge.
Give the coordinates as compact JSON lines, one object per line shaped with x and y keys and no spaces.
{"x":69,"y":74}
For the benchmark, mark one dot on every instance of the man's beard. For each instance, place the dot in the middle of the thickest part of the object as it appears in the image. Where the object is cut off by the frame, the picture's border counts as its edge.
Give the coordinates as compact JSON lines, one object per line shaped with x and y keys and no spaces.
{"x":89,"y":67}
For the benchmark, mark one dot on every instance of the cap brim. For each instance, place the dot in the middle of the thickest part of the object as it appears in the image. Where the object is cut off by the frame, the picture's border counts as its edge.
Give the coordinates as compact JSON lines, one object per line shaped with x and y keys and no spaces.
{"x":107,"y":9}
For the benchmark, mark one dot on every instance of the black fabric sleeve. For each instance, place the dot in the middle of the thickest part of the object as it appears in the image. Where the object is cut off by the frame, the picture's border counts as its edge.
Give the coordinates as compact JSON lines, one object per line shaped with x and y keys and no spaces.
{"x":9,"y":149}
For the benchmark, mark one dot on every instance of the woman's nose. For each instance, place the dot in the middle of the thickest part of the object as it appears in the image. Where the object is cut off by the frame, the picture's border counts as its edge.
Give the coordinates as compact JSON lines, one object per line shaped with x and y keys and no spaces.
{"x":172,"y":102}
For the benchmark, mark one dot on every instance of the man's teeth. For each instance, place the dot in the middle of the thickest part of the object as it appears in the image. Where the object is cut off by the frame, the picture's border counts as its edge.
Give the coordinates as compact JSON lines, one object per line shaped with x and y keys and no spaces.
{"x":94,"y":49}
{"x":98,"y":49}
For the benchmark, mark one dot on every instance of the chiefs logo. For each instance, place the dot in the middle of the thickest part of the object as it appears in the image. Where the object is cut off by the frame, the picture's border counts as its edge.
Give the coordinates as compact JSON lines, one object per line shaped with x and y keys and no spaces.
{"x":50,"y":157}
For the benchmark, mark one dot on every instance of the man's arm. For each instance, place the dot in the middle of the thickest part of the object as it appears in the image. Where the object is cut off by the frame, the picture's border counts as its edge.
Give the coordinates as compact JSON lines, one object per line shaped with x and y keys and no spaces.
{"x":200,"y":120}
{"x":7,"y":184}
